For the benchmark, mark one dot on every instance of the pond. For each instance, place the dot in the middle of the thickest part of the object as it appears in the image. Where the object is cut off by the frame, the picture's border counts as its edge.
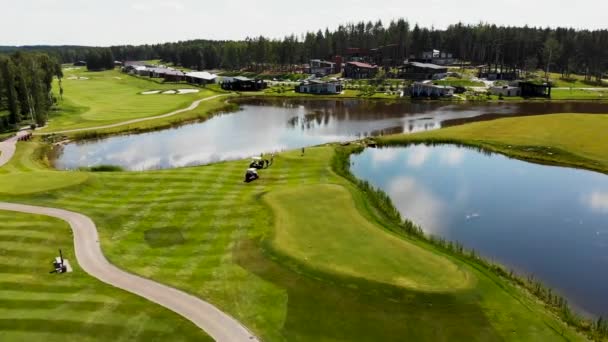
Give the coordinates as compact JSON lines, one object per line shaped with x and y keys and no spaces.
{"x":551,"y":222}
{"x":263,"y":125}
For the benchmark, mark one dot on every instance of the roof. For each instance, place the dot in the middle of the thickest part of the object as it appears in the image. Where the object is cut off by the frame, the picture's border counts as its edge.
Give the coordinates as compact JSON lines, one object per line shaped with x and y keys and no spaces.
{"x":173,"y":72}
{"x":431,"y":85}
{"x":426,"y":65}
{"x":242,"y":79}
{"x":202,"y":75}
{"x":362,"y":65}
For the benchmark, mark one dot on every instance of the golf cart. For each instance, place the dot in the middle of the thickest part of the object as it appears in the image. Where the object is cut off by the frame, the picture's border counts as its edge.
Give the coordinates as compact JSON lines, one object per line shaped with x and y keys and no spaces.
{"x":257,"y":163}
{"x":59,"y":265}
{"x":251,"y":175}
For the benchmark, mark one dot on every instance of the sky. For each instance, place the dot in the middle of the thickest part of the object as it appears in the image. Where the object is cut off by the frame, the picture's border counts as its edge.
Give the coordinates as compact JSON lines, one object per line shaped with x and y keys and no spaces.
{"x":114,"y":22}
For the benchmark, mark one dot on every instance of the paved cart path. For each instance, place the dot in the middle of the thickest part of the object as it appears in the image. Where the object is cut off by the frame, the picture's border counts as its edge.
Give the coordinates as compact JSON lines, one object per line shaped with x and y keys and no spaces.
{"x":192,"y":106}
{"x":213,"y":321}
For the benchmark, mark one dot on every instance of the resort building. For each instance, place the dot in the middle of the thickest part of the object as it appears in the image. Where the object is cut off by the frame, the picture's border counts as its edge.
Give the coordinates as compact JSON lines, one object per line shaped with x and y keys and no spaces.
{"x":240,"y":83}
{"x":322,"y":68}
{"x":320,"y":87}
{"x":360,"y":70}
{"x":419,"y":89}
{"x":422,"y":71}
{"x":506,"y":91}
{"x":200,"y":77}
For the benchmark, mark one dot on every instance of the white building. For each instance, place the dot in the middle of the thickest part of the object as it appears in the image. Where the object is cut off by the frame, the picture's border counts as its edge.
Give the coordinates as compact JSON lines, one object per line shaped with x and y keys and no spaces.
{"x":506,"y":91}
{"x":201,"y":77}
{"x":320,"y":87}
{"x":431,"y":90}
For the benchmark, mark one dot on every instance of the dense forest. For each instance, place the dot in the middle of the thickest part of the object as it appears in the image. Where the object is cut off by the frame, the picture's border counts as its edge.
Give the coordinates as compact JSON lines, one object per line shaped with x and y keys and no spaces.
{"x":25,"y":88}
{"x":527,"y":48}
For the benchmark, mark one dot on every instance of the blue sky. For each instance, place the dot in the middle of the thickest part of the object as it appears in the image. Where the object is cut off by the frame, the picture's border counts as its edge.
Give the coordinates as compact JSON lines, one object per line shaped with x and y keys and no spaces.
{"x":110,"y":22}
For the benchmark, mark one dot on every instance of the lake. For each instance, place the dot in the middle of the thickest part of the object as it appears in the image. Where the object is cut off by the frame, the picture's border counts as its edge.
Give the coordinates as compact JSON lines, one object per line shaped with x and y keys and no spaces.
{"x":548,"y":221}
{"x":265,"y":125}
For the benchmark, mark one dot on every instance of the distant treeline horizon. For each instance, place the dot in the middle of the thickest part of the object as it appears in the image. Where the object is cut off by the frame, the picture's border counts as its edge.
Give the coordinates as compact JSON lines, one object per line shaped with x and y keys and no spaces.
{"x":566,"y":50}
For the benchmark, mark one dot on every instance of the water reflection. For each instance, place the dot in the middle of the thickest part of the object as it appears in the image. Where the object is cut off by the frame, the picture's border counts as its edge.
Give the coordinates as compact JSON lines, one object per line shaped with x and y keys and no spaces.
{"x":548,"y":221}
{"x":264,"y":125}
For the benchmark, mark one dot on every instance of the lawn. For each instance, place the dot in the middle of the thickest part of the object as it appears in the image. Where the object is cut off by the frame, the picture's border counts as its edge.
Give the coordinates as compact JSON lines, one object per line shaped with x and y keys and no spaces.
{"x":575,"y":81}
{"x":579,"y":94}
{"x":459,"y":82}
{"x":203,"y":230}
{"x":307,"y":230}
{"x":100,"y":98}
{"x":38,"y":306}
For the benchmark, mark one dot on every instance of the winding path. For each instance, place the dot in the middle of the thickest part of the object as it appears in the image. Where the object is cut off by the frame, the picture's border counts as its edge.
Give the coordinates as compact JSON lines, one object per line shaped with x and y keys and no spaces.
{"x":192,"y":106}
{"x":217,"y":324}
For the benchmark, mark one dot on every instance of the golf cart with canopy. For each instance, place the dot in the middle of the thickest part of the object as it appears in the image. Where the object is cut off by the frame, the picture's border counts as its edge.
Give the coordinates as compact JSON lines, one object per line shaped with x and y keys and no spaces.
{"x":251,"y":175}
{"x":257,"y":163}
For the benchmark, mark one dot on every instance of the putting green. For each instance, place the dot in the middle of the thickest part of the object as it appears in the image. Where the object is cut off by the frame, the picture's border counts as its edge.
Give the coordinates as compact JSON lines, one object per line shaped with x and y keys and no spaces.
{"x":319,"y":225}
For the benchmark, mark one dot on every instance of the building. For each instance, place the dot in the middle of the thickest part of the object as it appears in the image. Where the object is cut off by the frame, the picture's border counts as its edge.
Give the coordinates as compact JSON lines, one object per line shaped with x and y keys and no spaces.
{"x":319,"y":87}
{"x":240,"y":83}
{"x":172,"y":75}
{"x":388,"y":55}
{"x":80,"y":63}
{"x":200,"y":77}
{"x":422,"y":71}
{"x":360,"y":70}
{"x":358,"y":55}
{"x":530,"y":89}
{"x":485,"y":71}
{"x":419,"y":89}
{"x":434,"y":57}
{"x":322,"y":68}
{"x":506,"y":91}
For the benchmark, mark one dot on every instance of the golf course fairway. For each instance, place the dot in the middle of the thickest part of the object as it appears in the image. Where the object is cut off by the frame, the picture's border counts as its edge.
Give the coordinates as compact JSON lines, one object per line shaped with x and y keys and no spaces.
{"x":36,"y":305}
{"x":309,"y":218}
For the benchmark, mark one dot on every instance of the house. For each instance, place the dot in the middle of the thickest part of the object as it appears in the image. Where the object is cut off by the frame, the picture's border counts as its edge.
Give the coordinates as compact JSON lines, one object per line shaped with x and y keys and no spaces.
{"x":485,"y":71}
{"x":360,"y":70}
{"x":117,"y":63}
{"x":530,"y":89}
{"x":434,"y":57}
{"x":388,"y":55}
{"x":422,"y":71}
{"x":506,"y":91}
{"x":319,"y":87}
{"x":200,"y":77}
{"x":358,"y":55}
{"x":172,"y":75}
{"x":322,"y":68}
{"x":420,"y":89}
{"x":240,"y":83}
{"x":80,"y":63}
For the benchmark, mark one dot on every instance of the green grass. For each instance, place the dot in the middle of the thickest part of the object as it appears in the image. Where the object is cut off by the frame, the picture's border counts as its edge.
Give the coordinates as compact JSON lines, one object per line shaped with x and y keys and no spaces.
{"x":205,"y":231}
{"x":110,"y":96}
{"x":459,"y":82}
{"x":579,"y":94}
{"x":36,"y":178}
{"x":575,"y":81}
{"x":309,"y":218}
{"x":572,"y":139}
{"x":38,"y":306}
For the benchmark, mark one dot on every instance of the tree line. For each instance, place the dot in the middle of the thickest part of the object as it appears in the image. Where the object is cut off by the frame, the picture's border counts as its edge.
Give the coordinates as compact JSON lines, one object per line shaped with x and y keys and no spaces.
{"x":526,"y":48}
{"x":25,"y":88}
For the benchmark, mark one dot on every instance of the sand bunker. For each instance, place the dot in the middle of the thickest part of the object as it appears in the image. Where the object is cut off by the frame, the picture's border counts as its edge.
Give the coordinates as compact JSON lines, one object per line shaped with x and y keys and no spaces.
{"x":187,"y":91}
{"x":171,"y":91}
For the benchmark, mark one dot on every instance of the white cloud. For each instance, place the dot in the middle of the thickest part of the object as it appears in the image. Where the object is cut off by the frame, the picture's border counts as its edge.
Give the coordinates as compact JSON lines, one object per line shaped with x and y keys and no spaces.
{"x":452,"y":157}
{"x":384,"y":155}
{"x":417,"y":204}
{"x":598,"y":201}
{"x":418,"y":155}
